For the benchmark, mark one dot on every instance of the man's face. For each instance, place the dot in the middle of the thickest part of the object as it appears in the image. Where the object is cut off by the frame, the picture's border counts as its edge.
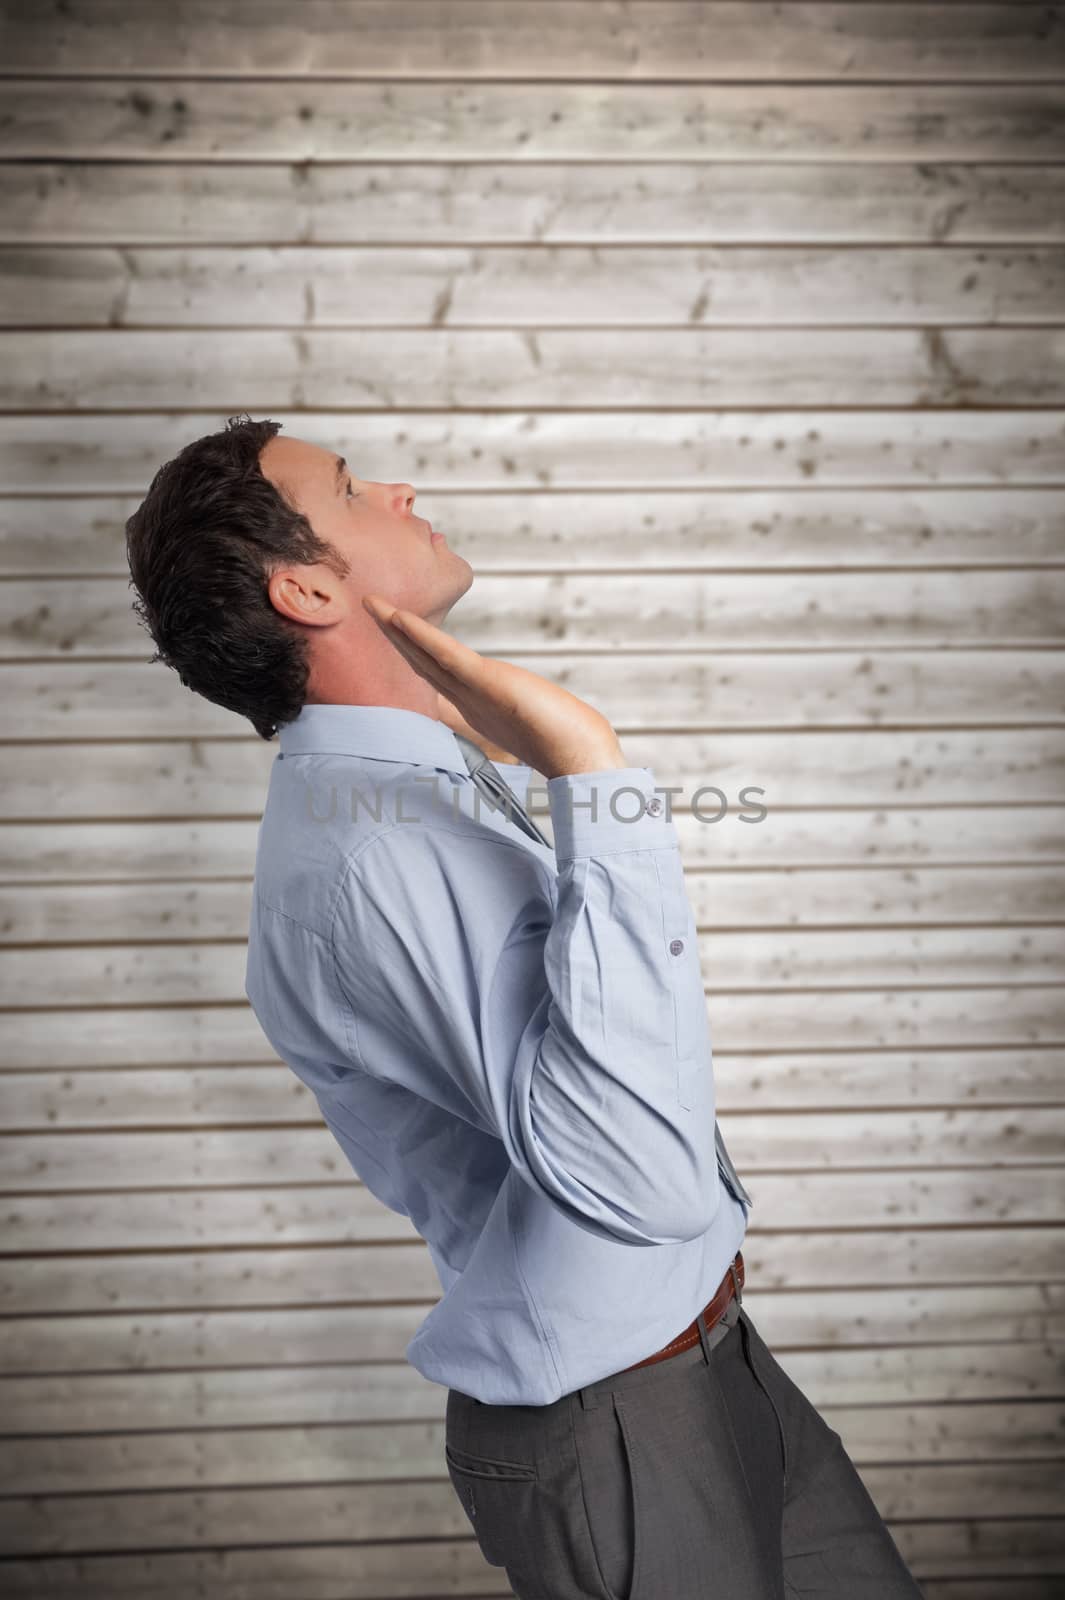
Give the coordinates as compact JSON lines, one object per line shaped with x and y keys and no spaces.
{"x":373,"y":525}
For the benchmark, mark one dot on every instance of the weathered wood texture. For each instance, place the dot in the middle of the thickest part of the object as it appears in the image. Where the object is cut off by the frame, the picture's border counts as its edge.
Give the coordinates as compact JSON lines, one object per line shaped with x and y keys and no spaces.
{"x":445,"y":370}
{"x":72,"y":201}
{"x":726,"y":341}
{"x":505,"y":286}
{"x":185,"y":119}
{"x":491,"y":39}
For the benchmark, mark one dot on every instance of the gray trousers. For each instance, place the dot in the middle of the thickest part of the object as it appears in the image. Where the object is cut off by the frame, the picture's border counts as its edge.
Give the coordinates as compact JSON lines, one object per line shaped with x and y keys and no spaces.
{"x":704,"y":1475}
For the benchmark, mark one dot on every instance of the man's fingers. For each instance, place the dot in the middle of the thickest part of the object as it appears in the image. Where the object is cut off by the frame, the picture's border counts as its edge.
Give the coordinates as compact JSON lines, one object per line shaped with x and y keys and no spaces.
{"x":419,"y":659}
{"x":448,"y":652}
{"x":466,"y":678}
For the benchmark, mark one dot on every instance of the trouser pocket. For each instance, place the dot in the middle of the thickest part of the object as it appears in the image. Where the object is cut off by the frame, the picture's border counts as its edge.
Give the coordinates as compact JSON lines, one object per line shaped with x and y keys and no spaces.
{"x":498,"y":1498}
{"x":515,"y":1474}
{"x":757,"y":1354}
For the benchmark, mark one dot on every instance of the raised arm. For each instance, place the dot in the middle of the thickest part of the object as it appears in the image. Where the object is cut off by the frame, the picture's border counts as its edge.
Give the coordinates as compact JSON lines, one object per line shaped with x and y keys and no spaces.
{"x":565,"y":1015}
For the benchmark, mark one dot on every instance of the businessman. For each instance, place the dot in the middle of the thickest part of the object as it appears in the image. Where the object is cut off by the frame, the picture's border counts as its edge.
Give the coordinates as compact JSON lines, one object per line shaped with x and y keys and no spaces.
{"x":508,"y":1040}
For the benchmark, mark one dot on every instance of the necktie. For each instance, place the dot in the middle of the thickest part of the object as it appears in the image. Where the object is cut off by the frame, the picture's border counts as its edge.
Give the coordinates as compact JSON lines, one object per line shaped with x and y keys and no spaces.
{"x":488,"y":779}
{"x":729,"y":1175}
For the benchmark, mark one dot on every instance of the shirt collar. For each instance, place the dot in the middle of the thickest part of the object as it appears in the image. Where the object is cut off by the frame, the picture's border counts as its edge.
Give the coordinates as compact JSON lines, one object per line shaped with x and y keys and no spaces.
{"x":385,"y":733}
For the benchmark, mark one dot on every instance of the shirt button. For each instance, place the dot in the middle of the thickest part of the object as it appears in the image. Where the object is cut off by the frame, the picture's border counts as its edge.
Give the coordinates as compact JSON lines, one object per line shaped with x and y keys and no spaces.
{"x":676,"y":946}
{"x":654,"y":805}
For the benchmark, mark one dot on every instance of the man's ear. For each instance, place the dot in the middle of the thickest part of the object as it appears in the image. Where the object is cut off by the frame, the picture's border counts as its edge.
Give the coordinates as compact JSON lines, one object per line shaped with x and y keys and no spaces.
{"x":305,"y":594}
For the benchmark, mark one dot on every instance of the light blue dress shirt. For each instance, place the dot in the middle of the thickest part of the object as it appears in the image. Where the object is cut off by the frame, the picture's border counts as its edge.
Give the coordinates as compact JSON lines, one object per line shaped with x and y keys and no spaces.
{"x":509,"y":1043}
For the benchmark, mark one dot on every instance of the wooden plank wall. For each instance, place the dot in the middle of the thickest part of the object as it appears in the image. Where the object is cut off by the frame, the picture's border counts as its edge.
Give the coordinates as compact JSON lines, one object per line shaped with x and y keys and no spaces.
{"x":726,"y":341}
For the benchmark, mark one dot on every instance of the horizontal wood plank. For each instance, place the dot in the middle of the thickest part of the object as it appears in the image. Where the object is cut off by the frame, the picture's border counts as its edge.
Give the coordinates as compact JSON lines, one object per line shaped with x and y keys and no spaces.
{"x":191,"y":1280}
{"x":1027,"y":1587}
{"x":846,"y":529}
{"x":343,"y":1570}
{"x":506,"y":287}
{"x":339,"y":1570}
{"x":734,"y":962}
{"x":304,"y":1153}
{"x":451,"y":369}
{"x":363,"y":1462}
{"x":1002,"y":900}
{"x":755,"y":1080}
{"x":765,"y":611}
{"x":980,"y":837}
{"x":195,"y":119}
{"x":363,"y":1392}
{"x":577,"y":451}
{"x":664,"y":39}
{"x":346,"y":1212}
{"x":790,"y":1021}
{"x":906,"y":1320}
{"x":106,"y":699}
{"x":866,"y":768}
{"x":80,"y":202}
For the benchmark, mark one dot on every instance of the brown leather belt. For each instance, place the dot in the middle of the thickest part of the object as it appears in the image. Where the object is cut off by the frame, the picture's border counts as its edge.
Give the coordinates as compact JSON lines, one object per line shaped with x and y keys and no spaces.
{"x":712,"y":1312}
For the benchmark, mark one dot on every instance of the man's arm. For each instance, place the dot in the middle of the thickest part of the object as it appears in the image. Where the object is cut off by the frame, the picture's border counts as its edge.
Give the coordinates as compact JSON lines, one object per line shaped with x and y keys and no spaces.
{"x":453,"y":718}
{"x":547,"y":727}
{"x":558,"y":1015}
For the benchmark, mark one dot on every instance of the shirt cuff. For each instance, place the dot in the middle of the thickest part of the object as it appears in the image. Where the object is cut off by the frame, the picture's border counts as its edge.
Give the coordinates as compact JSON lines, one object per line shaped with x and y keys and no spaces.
{"x":628,"y":814}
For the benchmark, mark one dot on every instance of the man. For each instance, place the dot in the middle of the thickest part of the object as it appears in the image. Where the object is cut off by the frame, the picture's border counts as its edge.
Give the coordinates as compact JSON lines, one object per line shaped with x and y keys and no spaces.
{"x":508,"y":1041}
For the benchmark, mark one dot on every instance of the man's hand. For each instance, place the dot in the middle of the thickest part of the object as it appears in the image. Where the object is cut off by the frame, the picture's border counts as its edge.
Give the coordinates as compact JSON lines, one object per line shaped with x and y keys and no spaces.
{"x":548,"y":728}
{"x":457,"y":723}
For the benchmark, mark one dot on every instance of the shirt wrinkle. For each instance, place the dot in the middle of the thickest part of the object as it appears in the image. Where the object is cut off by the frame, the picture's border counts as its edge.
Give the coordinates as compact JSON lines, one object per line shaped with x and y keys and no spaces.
{"x":493,"y":1039}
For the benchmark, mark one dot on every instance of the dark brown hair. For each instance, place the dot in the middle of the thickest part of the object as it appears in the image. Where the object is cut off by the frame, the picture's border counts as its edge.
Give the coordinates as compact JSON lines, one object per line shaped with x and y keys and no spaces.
{"x":201,"y":548}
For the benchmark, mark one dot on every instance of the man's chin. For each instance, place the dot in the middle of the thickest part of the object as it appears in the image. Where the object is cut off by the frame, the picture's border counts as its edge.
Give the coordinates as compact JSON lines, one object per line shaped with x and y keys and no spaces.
{"x":459,"y":583}
{"x":469,"y":571}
